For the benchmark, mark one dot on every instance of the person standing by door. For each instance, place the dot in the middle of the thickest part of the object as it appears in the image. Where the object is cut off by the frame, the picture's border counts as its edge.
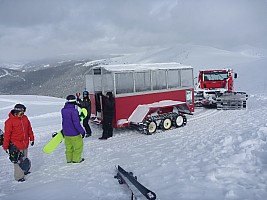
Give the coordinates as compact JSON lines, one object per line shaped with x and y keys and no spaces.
{"x":108,"y":114}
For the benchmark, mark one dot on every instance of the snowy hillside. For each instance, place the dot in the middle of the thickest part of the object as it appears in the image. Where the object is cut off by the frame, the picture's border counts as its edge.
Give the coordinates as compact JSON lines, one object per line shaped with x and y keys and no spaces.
{"x":200,"y":57}
{"x":50,"y":78}
{"x":218,"y":155}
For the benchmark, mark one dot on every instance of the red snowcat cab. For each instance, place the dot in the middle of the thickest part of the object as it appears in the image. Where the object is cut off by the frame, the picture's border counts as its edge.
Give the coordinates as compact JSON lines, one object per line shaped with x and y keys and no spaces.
{"x":215,"y":89}
{"x":147,"y":96}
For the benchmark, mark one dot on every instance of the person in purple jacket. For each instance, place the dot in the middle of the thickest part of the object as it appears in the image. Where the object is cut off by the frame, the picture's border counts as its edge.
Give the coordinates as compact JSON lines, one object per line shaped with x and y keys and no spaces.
{"x":73,"y":131}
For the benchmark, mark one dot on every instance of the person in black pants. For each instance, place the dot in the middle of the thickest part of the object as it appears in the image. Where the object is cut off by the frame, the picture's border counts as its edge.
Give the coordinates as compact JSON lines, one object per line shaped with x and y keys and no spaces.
{"x":108,"y":113}
{"x":85,"y":103}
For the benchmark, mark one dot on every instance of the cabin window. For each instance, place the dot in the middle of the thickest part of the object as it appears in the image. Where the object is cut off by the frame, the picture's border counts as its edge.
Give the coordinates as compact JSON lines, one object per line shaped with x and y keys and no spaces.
{"x":97,"y":82}
{"x":174,"y":80}
{"x":142,"y":81}
{"x":107,"y":82}
{"x":124,"y":83}
{"x":189,"y":96}
{"x":186,"y":78}
{"x":159,"y":79}
{"x":97,"y":71}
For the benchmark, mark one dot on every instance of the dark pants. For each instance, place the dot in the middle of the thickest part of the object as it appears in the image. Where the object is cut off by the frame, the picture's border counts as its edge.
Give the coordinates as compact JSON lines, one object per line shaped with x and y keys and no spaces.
{"x":107,"y":127}
{"x":86,"y":125}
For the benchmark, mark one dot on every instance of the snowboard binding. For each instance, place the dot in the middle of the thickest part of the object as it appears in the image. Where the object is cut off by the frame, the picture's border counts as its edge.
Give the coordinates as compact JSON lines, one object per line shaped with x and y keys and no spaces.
{"x":14,"y":153}
{"x":17,"y":157}
{"x":54,"y":134}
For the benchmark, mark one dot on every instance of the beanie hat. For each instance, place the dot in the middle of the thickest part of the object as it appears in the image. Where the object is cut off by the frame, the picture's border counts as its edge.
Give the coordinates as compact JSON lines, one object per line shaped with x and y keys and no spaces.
{"x":20,"y":108}
{"x":71,"y":98}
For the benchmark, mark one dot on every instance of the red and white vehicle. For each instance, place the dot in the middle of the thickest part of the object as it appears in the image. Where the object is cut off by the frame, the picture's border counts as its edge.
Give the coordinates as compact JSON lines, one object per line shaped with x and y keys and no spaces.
{"x":215,"y":88}
{"x":147,"y":96}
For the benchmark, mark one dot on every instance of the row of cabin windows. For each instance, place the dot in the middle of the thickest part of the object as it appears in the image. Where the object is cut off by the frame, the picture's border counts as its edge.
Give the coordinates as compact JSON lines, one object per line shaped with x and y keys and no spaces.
{"x":145,"y":81}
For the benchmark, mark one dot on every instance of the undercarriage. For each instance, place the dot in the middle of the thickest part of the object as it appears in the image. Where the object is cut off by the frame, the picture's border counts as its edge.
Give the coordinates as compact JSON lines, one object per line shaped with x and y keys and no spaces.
{"x":221,"y":101}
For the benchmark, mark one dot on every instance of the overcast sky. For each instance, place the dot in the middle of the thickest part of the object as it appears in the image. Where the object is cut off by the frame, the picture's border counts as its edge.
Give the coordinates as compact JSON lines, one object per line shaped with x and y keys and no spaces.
{"x":33,"y":29}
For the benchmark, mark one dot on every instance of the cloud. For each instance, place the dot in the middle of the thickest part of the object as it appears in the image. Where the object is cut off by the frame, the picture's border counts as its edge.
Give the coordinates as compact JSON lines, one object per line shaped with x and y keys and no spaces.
{"x":32,"y":29}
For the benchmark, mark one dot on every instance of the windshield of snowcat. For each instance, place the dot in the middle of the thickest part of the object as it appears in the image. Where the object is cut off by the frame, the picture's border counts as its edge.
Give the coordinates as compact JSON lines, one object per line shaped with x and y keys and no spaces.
{"x":215,"y":76}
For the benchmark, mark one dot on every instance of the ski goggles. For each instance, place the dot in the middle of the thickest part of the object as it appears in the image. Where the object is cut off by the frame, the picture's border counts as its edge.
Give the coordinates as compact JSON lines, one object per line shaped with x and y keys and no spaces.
{"x":20,"y":108}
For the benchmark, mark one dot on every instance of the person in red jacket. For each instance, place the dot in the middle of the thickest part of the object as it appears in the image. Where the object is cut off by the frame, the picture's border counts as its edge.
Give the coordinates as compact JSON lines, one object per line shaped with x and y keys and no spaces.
{"x":18,"y":131}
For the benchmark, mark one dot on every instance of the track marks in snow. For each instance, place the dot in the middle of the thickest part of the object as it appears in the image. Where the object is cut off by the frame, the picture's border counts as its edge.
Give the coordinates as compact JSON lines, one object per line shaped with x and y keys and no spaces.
{"x":207,"y":113}
{"x":135,"y":138}
{"x":127,"y":144}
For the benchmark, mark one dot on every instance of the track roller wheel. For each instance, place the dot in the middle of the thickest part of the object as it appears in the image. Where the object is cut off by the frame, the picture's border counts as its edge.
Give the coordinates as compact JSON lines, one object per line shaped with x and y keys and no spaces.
{"x":179,"y":121}
{"x":151,"y":127}
{"x":166,"y":124}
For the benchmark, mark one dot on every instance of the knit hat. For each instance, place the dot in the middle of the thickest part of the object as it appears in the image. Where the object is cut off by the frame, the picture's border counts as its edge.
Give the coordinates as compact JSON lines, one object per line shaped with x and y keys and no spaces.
{"x":71,"y":98}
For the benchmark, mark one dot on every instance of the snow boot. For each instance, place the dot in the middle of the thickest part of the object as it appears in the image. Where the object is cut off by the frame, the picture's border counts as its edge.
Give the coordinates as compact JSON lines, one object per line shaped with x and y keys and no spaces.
{"x":21,"y":180}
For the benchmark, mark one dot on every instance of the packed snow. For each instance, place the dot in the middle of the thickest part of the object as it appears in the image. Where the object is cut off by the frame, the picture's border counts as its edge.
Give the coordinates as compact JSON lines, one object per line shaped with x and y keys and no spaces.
{"x":218,"y":155}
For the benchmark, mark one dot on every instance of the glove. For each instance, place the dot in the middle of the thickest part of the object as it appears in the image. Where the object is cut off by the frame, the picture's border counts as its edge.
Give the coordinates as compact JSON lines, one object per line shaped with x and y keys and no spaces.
{"x":82,"y":115}
{"x":32,"y":143}
{"x":83,"y":135}
{"x":5,"y":149}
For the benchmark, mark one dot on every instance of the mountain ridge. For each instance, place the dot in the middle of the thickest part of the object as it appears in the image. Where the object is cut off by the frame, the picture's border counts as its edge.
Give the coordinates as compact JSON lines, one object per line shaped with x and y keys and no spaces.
{"x":59,"y":78}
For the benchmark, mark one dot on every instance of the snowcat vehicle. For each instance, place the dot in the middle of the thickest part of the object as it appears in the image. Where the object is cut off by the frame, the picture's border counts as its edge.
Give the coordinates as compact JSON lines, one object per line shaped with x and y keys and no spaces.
{"x":215,"y":89}
{"x":147,"y":96}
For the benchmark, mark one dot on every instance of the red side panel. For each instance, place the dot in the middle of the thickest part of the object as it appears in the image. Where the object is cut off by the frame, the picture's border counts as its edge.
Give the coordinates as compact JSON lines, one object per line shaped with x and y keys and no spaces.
{"x":230,"y":83}
{"x":213,"y":84}
{"x":126,"y":105}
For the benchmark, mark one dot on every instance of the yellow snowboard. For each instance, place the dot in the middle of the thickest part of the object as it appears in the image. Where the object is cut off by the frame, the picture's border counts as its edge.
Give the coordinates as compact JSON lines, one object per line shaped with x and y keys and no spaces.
{"x":58,"y":138}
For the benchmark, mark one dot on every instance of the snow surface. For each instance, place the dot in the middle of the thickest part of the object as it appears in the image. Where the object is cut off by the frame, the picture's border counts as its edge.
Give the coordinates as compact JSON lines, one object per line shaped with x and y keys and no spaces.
{"x":218,"y":155}
{"x":144,"y":67}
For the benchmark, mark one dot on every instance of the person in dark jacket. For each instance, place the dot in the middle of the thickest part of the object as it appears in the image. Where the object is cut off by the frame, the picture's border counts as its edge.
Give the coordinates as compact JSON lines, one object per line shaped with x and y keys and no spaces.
{"x":18,"y":131}
{"x":108,"y":114}
{"x":85,"y":103}
{"x":73,"y":131}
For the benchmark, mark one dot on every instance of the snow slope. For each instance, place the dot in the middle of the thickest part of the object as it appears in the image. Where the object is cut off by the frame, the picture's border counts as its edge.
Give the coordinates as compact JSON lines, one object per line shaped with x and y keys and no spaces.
{"x":218,"y":155}
{"x":200,"y":57}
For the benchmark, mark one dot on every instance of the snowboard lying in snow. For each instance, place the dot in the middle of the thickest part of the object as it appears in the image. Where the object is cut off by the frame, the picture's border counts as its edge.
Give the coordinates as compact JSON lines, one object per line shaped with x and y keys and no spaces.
{"x":59,"y":136}
{"x":138,"y":190}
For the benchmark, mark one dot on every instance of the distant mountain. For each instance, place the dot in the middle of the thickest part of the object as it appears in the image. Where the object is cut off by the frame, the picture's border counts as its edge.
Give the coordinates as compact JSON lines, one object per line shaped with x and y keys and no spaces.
{"x":58,"y":78}
{"x":44,"y":79}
